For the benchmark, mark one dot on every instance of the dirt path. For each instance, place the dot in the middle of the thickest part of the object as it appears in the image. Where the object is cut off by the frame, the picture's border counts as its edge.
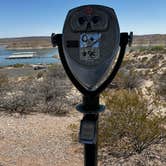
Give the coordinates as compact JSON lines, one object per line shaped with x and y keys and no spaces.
{"x":38,"y":140}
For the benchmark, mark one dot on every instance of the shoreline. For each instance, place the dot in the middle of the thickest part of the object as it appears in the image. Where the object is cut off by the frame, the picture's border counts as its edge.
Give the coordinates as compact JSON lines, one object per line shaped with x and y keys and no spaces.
{"x":27,"y":48}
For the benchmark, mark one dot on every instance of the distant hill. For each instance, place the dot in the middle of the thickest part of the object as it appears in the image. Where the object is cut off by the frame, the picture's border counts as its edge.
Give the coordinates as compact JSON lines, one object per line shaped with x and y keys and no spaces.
{"x":26,"y":42}
{"x":45,"y":42}
{"x":149,"y":40}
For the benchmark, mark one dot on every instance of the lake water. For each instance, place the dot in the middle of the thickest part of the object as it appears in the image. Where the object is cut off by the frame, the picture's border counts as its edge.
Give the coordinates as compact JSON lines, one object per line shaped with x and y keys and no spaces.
{"x":44,"y":56}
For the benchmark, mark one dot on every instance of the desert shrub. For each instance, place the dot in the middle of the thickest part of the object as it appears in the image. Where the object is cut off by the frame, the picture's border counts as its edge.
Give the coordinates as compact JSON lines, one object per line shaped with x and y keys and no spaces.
{"x":47,"y":95}
{"x":40,"y":74}
{"x":149,"y":62}
{"x":56,"y":71}
{"x":129,"y":125}
{"x":74,"y":134}
{"x":143,"y":49}
{"x":131,"y":50}
{"x":160,"y":83}
{"x":18,"y":98}
{"x":53,"y":90}
{"x":144,"y":59}
{"x":15,"y":103}
{"x":127,"y":79}
{"x":158,"y":48}
{"x":54,"y":107}
{"x":154,"y":61}
{"x":4,"y":83}
{"x":17,"y":65}
{"x":128,"y":63}
{"x":153,"y":49}
{"x":3,"y":80}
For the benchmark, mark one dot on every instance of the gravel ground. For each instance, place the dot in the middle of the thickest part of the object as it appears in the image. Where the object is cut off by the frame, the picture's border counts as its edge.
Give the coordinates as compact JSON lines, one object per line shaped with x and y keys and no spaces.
{"x":38,"y":140}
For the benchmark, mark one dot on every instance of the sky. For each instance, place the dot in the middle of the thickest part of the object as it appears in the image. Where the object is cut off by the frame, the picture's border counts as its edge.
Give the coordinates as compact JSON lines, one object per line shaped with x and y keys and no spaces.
{"x":20,"y":18}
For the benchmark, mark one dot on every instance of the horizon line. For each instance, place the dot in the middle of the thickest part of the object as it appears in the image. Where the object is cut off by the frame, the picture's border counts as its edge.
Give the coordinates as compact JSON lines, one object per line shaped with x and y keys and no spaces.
{"x":57,"y":33}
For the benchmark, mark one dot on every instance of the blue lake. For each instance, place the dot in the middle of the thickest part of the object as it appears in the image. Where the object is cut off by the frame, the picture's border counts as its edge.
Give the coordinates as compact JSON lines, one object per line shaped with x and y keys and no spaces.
{"x":44,"y":56}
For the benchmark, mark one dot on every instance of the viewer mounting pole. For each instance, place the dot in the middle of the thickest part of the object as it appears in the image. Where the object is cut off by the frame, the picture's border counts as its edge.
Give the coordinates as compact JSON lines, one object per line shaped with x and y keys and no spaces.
{"x":88,"y":46}
{"x":91,"y":149}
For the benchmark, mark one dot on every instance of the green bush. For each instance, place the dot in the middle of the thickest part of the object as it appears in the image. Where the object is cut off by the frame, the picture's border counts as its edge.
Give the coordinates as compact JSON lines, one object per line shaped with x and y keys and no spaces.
{"x":129,"y":126}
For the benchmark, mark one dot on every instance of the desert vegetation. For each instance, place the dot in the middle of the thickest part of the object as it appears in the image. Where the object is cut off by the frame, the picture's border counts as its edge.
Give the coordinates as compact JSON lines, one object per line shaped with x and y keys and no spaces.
{"x":133,"y":127}
{"x":135,"y":119}
{"x":44,"y":92}
{"x":130,"y":124}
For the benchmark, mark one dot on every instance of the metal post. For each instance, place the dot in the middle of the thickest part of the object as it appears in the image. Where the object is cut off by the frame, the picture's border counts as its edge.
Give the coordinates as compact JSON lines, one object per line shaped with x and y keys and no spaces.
{"x":91,"y":150}
{"x":90,"y":155}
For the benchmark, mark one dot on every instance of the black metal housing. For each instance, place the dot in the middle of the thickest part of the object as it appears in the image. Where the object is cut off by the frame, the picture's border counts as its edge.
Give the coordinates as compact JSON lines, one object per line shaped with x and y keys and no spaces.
{"x":124,"y":40}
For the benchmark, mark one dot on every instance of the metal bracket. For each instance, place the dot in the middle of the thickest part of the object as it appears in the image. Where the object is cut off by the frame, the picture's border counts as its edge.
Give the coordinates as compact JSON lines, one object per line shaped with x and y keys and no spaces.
{"x":130,"y":39}
{"x":80,"y":108}
{"x":88,"y":131}
{"x":56,"y":39}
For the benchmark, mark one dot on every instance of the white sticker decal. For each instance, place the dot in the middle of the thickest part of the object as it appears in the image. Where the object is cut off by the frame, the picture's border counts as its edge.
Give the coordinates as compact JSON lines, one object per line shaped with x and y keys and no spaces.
{"x":90,"y":47}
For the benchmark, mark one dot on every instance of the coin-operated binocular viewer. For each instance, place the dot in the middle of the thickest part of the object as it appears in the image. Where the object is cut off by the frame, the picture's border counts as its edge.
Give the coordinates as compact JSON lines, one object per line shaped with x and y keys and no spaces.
{"x":88,"y":50}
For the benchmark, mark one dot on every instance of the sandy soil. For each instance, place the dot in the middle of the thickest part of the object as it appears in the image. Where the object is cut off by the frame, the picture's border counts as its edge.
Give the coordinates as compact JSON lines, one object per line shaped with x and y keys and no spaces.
{"x":38,"y":140}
